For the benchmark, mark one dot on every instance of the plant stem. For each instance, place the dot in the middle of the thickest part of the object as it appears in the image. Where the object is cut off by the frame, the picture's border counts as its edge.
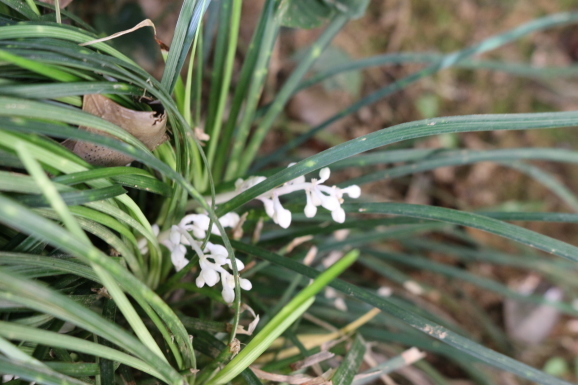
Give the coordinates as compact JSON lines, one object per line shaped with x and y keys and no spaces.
{"x":57,"y":10}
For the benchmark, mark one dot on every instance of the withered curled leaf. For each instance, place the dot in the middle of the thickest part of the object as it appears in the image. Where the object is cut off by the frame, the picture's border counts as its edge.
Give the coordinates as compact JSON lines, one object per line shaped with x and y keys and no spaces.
{"x":147,"y":126}
{"x":144,"y":23}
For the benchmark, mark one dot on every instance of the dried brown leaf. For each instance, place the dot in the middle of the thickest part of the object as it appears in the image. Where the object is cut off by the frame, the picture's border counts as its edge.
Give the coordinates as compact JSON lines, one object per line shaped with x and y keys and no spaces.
{"x":201,"y":135}
{"x":147,"y":126}
{"x":238,"y":230}
{"x":312,"y":360}
{"x":296,"y":242}
{"x":63,"y":3}
{"x":295,"y":379}
{"x":251,"y":327}
{"x":144,"y":23}
{"x":530,"y":323}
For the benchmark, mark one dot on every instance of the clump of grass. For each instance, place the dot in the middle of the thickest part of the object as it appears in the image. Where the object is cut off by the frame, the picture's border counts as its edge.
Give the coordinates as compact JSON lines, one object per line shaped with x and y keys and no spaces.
{"x":97,"y":263}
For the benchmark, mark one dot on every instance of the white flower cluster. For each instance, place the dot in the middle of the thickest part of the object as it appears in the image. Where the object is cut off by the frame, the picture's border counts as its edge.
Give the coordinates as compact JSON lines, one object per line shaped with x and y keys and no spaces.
{"x":212,"y":259}
{"x":315,"y":192}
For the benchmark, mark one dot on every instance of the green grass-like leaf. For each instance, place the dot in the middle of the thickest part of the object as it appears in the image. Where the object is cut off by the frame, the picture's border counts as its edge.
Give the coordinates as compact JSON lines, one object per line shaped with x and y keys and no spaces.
{"x":402,"y":132}
{"x":420,"y":323}
{"x":351,"y":362}
{"x":273,"y":329}
{"x":36,"y":374}
{"x":506,"y":230}
{"x":48,"y":338}
{"x":189,"y":21}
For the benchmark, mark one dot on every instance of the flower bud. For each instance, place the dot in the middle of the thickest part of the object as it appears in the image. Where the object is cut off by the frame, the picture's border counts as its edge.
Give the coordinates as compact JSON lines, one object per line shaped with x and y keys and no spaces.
{"x":324,"y":174}
{"x":338,"y":215}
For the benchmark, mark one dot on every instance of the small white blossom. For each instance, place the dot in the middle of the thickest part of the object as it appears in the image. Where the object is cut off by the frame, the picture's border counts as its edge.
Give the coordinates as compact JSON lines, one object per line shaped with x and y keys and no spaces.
{"x":198,"y":224}
{"x":178,"y":259}
{"x":316,"y":194}
{"x":275,"y":210}
{"x":212,"y":260}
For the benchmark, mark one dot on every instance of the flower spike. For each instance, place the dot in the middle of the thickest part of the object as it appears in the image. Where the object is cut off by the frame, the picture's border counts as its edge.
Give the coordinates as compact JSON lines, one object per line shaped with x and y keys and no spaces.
{"x":213,"y":260}
{"x":316,"y":194}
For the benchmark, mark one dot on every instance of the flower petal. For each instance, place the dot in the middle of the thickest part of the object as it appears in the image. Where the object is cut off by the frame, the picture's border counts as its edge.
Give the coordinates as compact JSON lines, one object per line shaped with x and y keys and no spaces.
{"x":245,"y":284}
{"x":216,"y":250}
{"x":282,"y":215}
{"x":175,"y":235}
{"x":353,"y":191}
{"x":316,"y":196}
{"x":198,"y":232}
{"x":310,"y":210}
{"x":324,"y":174}
{"x":331,"y":203}
{"x":210,"y":276}
{"x":269,"y":207}
{"x":230,"y":219}
{"x":228,"y":289}
{"x":338,"y":215}
{"x":178,"y":257}
{"x":240,"y":264}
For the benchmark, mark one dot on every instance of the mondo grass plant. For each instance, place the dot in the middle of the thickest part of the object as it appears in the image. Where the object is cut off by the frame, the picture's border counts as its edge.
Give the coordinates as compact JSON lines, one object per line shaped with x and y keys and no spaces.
{"x":172,"y":250}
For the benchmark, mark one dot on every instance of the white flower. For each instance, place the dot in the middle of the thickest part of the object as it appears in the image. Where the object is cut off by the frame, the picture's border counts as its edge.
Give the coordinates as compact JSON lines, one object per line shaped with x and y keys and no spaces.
{"x":338,"y":215}
{"x":353,"y":191}
{"x":212,"y":260}
{"x":207,"y":276}
{"x":275,"y":210}
{"x":198,"y":224}
{"x":178,"y":251}
{"x":178,"y":257}
{"x":228,"y":287}
{"x":229,"y":220}
{"x":316,"y":194}
{"x":245,"y":284}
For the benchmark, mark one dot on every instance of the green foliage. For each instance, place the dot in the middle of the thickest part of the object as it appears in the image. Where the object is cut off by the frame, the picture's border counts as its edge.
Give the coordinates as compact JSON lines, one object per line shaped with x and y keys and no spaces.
{"x":96,"y":267}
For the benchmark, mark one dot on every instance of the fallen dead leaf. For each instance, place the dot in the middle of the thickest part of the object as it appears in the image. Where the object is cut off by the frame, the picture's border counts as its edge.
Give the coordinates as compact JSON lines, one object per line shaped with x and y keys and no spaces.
{"x":295,"y":379}
{"x":147,"y":126}
{"x":312,"y":360}
{"x":201,"y":135}
{"x":63,"y":3}
{"x":527,"y":322}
